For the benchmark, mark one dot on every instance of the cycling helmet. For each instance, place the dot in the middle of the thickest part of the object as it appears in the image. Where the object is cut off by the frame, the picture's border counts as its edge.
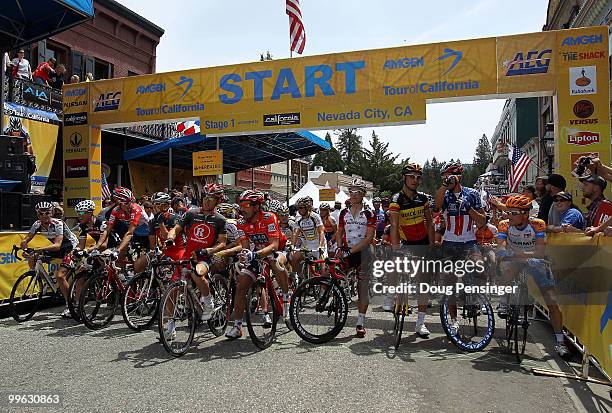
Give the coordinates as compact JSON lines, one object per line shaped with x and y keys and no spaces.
{"x":283,"y":210}
{"x":226,"y":210}
{"x":85,"y":206}
{"x":412,"y":168}
{"x":325,"y":205}
{"x":377,"y":200}
{"x":519,"y":201}
{"x":252,"y":195}
{"x":307,"y":201}
{"x":43,"y":206}
{"x":357,"y":185}
{"x":274,"y":206}
{"x":453,"y":168}
{"x":160,"y":198}
{"x":214,"y":190}
{"x":122,"y":194}
{"x":176,"y":200}
{"x":15,"y":124}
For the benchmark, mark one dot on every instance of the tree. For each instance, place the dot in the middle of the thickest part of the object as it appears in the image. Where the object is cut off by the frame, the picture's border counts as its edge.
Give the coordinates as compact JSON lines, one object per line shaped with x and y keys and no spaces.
{"x":484,"y":154}
{"x":379,"y":166}
{"x":330,"y":160}
{"x":351,"y":149}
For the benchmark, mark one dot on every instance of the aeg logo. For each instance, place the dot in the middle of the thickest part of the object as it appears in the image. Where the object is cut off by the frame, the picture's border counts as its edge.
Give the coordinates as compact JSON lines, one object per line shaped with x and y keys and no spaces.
{"x":528,"y":63}
{"x":107,"y":101}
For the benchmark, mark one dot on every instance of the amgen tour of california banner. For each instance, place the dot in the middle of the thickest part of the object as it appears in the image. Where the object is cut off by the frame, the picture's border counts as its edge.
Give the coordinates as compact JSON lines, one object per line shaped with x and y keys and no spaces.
{"x":40,"y":141}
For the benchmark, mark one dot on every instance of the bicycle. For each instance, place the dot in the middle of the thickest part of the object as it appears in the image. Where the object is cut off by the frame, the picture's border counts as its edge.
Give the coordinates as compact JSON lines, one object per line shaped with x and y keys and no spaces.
{"x":320,"y":300}
{"x":519,"y":305}
{"x":28,"y":291}
{"x":82,"y":272}
{"x":180,"y":305}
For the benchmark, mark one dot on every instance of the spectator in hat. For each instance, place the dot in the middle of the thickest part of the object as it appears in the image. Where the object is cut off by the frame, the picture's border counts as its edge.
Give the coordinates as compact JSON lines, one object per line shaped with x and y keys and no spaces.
{"x":44,"y":72}
{"x":556,"y":183}
{"x":592,"y":189}
{"x":570,"y":218}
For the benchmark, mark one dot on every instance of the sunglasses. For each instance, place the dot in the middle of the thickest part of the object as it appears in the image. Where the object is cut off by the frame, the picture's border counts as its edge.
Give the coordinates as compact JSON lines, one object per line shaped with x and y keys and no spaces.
{"x":413,"y":176}
{"x":355,"y":192}
{"x":515,"y":213}
{"x":43,"y":212}
{"x":81,"y":213}
{"x":245,"y":204}
{"x":302,"y":207}
{"x":561,"y":200}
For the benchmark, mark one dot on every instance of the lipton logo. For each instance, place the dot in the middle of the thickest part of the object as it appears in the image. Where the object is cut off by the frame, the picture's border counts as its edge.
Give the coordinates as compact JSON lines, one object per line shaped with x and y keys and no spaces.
{"x":583,"y":138}
{"x":583,"y":109}
{"x":76,"y":139}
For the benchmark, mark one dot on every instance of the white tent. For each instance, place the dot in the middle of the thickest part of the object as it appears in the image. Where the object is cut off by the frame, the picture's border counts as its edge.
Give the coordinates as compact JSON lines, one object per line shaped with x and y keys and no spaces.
{"x":311,"y":190}
{"x":341,"y":197}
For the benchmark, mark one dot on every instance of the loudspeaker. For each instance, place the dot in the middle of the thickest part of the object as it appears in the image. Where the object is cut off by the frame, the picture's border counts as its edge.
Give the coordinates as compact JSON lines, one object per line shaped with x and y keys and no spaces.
{"x":11,"y":145}
{"x":28,"y":214}
{"x":10,"y":211}
{"x":15,"y":168}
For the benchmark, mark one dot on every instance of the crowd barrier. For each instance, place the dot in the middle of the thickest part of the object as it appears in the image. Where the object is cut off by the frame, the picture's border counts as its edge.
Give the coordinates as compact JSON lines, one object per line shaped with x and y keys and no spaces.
{"x":582,"y":267}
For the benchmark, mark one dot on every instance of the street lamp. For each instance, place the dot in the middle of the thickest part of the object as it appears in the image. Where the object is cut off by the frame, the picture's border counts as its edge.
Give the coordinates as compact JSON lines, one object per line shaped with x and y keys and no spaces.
{"x":549,"y":144}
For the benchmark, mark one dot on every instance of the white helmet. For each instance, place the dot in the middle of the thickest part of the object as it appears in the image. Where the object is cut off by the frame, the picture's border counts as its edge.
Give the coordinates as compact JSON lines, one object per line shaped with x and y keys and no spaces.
{"x":85,"y":206}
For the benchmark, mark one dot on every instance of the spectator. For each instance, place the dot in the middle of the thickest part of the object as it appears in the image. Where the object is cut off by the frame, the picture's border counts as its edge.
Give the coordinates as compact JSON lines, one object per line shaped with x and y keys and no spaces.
{"x":75,"y":79}
{"x":44,"y":71}
{"x":21,"y":66}
{"x":6,"y":64}
{"x":89,"y":77}
{"x":186,"y":196}
{"x":178,"y":206}
{"x":531,"y":192}
{"x":570,"y":218}
{"x":57,"y":80}
{"x":148,"y":208}
{"x":592,"y":188}
{"x":540,"y":186}
{"x":336,"y":212}
{"x":597,"y":168}
{"x":556,"y":183}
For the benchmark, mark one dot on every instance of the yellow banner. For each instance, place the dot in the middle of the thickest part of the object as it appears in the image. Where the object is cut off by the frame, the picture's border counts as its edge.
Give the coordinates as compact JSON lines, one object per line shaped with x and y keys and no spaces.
{"x":207,"y":163}
{"x":583,"y":99}
{"x":147,"y":179}
{"x":43,"y":140}
{"x":327,"y":195}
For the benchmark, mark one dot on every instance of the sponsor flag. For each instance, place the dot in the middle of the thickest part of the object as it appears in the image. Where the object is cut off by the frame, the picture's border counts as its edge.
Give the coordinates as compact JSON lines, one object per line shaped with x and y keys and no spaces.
{"x":106,"y":193}
{"x":297,"y":33}
{"x":519,"y":161}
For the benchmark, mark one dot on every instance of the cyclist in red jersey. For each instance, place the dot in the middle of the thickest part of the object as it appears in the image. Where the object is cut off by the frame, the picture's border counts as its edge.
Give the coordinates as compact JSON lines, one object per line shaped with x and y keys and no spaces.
{"x":123,"y":220}
{"x":261,"y":230}
{"x":206,"y":235}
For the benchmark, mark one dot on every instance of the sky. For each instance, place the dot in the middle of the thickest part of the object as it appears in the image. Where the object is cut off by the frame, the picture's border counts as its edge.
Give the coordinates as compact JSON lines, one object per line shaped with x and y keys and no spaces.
{"x":203,"y":33}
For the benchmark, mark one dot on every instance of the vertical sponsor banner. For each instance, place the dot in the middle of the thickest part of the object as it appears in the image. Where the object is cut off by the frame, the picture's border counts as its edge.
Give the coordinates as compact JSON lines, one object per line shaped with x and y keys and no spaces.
{"x":526,"y":63}
{"x":95,"y":166}
{"x":583,"y":99}
{"x":43,"y":140}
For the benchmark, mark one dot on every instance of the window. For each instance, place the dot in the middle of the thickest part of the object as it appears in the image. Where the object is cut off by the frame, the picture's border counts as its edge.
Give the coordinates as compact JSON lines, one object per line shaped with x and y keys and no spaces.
{"x":130,"y":73}
{"x":103,"y":70}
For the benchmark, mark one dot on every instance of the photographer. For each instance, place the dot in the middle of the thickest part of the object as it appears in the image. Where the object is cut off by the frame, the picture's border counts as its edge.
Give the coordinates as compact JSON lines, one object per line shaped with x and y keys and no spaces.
{"x":594,"y":165}
{"x":592,"y":188}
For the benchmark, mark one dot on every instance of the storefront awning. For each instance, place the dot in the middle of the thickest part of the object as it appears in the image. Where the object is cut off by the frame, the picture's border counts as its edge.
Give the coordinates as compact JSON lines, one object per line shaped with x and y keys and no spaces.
{"x":27,"y":21}
{"x":239,"y":152}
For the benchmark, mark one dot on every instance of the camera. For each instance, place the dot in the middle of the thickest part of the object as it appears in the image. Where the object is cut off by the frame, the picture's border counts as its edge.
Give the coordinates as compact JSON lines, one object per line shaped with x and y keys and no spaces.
{"x":581,"y":167}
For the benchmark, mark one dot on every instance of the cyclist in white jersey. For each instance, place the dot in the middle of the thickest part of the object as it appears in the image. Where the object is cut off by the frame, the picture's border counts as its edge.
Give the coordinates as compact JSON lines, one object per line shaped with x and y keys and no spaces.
{"x":312,"y":231}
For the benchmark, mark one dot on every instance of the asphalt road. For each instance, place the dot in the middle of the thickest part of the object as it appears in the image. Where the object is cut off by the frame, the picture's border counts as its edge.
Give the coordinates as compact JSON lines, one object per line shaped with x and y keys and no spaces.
{"x":115,"y":369}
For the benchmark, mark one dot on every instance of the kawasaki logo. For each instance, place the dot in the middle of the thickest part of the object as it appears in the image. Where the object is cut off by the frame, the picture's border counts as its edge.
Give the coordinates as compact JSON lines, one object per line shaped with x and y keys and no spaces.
{"x":583,"y":138}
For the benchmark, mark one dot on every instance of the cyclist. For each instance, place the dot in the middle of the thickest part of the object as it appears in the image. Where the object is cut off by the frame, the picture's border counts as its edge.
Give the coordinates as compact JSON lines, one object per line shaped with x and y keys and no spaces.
{"x":356,"y":230}
{"x":522,"y":236}
{"x":63,"y":241}
{"x":311,"y":230}
{"x":462,"y":208}
{"x":412,"y":229}
{"x":88,"y":223}
{"x":381,"y":218}
{"x":330,"y":226}
{"x":206,"y":232}
{"x":260,"y":237}
{"x":122,"y":222}
{"x":233,"y":245}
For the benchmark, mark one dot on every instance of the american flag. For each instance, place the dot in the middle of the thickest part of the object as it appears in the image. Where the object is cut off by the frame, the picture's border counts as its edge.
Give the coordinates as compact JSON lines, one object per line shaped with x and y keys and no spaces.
{"x":519,"y":161}
{"x":188,"y":127}
{"x":106,"y":193}
{"x":296,"y":27}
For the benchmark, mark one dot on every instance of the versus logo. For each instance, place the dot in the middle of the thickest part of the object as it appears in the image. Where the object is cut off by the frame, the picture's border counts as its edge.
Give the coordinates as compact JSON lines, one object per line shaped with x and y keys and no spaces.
{"x":582,"y":40}
{"x":583,"y":109}
{"x":75,"y":92}
{"x":76,"y":139}
{"x":107,"y":101}
{"x":152,"y":88}
{"x":282,"y":119}
{"x":75,"y":119}
{"x":583,"y":80}
{"x":583,"y":138}
{"x":528,"y":63}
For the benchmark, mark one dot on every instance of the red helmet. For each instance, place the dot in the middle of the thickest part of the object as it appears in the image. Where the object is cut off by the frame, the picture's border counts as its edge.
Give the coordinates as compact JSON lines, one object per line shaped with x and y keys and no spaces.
{"x":251,"y":195}
{"x":453,"y":168}
{"x":121,"y":194}
{"x":214,"y":190}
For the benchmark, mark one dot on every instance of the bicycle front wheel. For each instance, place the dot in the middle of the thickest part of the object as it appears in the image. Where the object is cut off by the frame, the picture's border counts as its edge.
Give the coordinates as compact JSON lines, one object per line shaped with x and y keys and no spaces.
{"x":26,"y":296}
{"x":520,"y":333}
{"x":319,"y":318}
{"x":140,"y":302}
{"x":98,"y":301}
{"x":177,"y":319}
{"x":74,"y":293}
{"x":261,"y":315}
{"x":475,"y":322}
